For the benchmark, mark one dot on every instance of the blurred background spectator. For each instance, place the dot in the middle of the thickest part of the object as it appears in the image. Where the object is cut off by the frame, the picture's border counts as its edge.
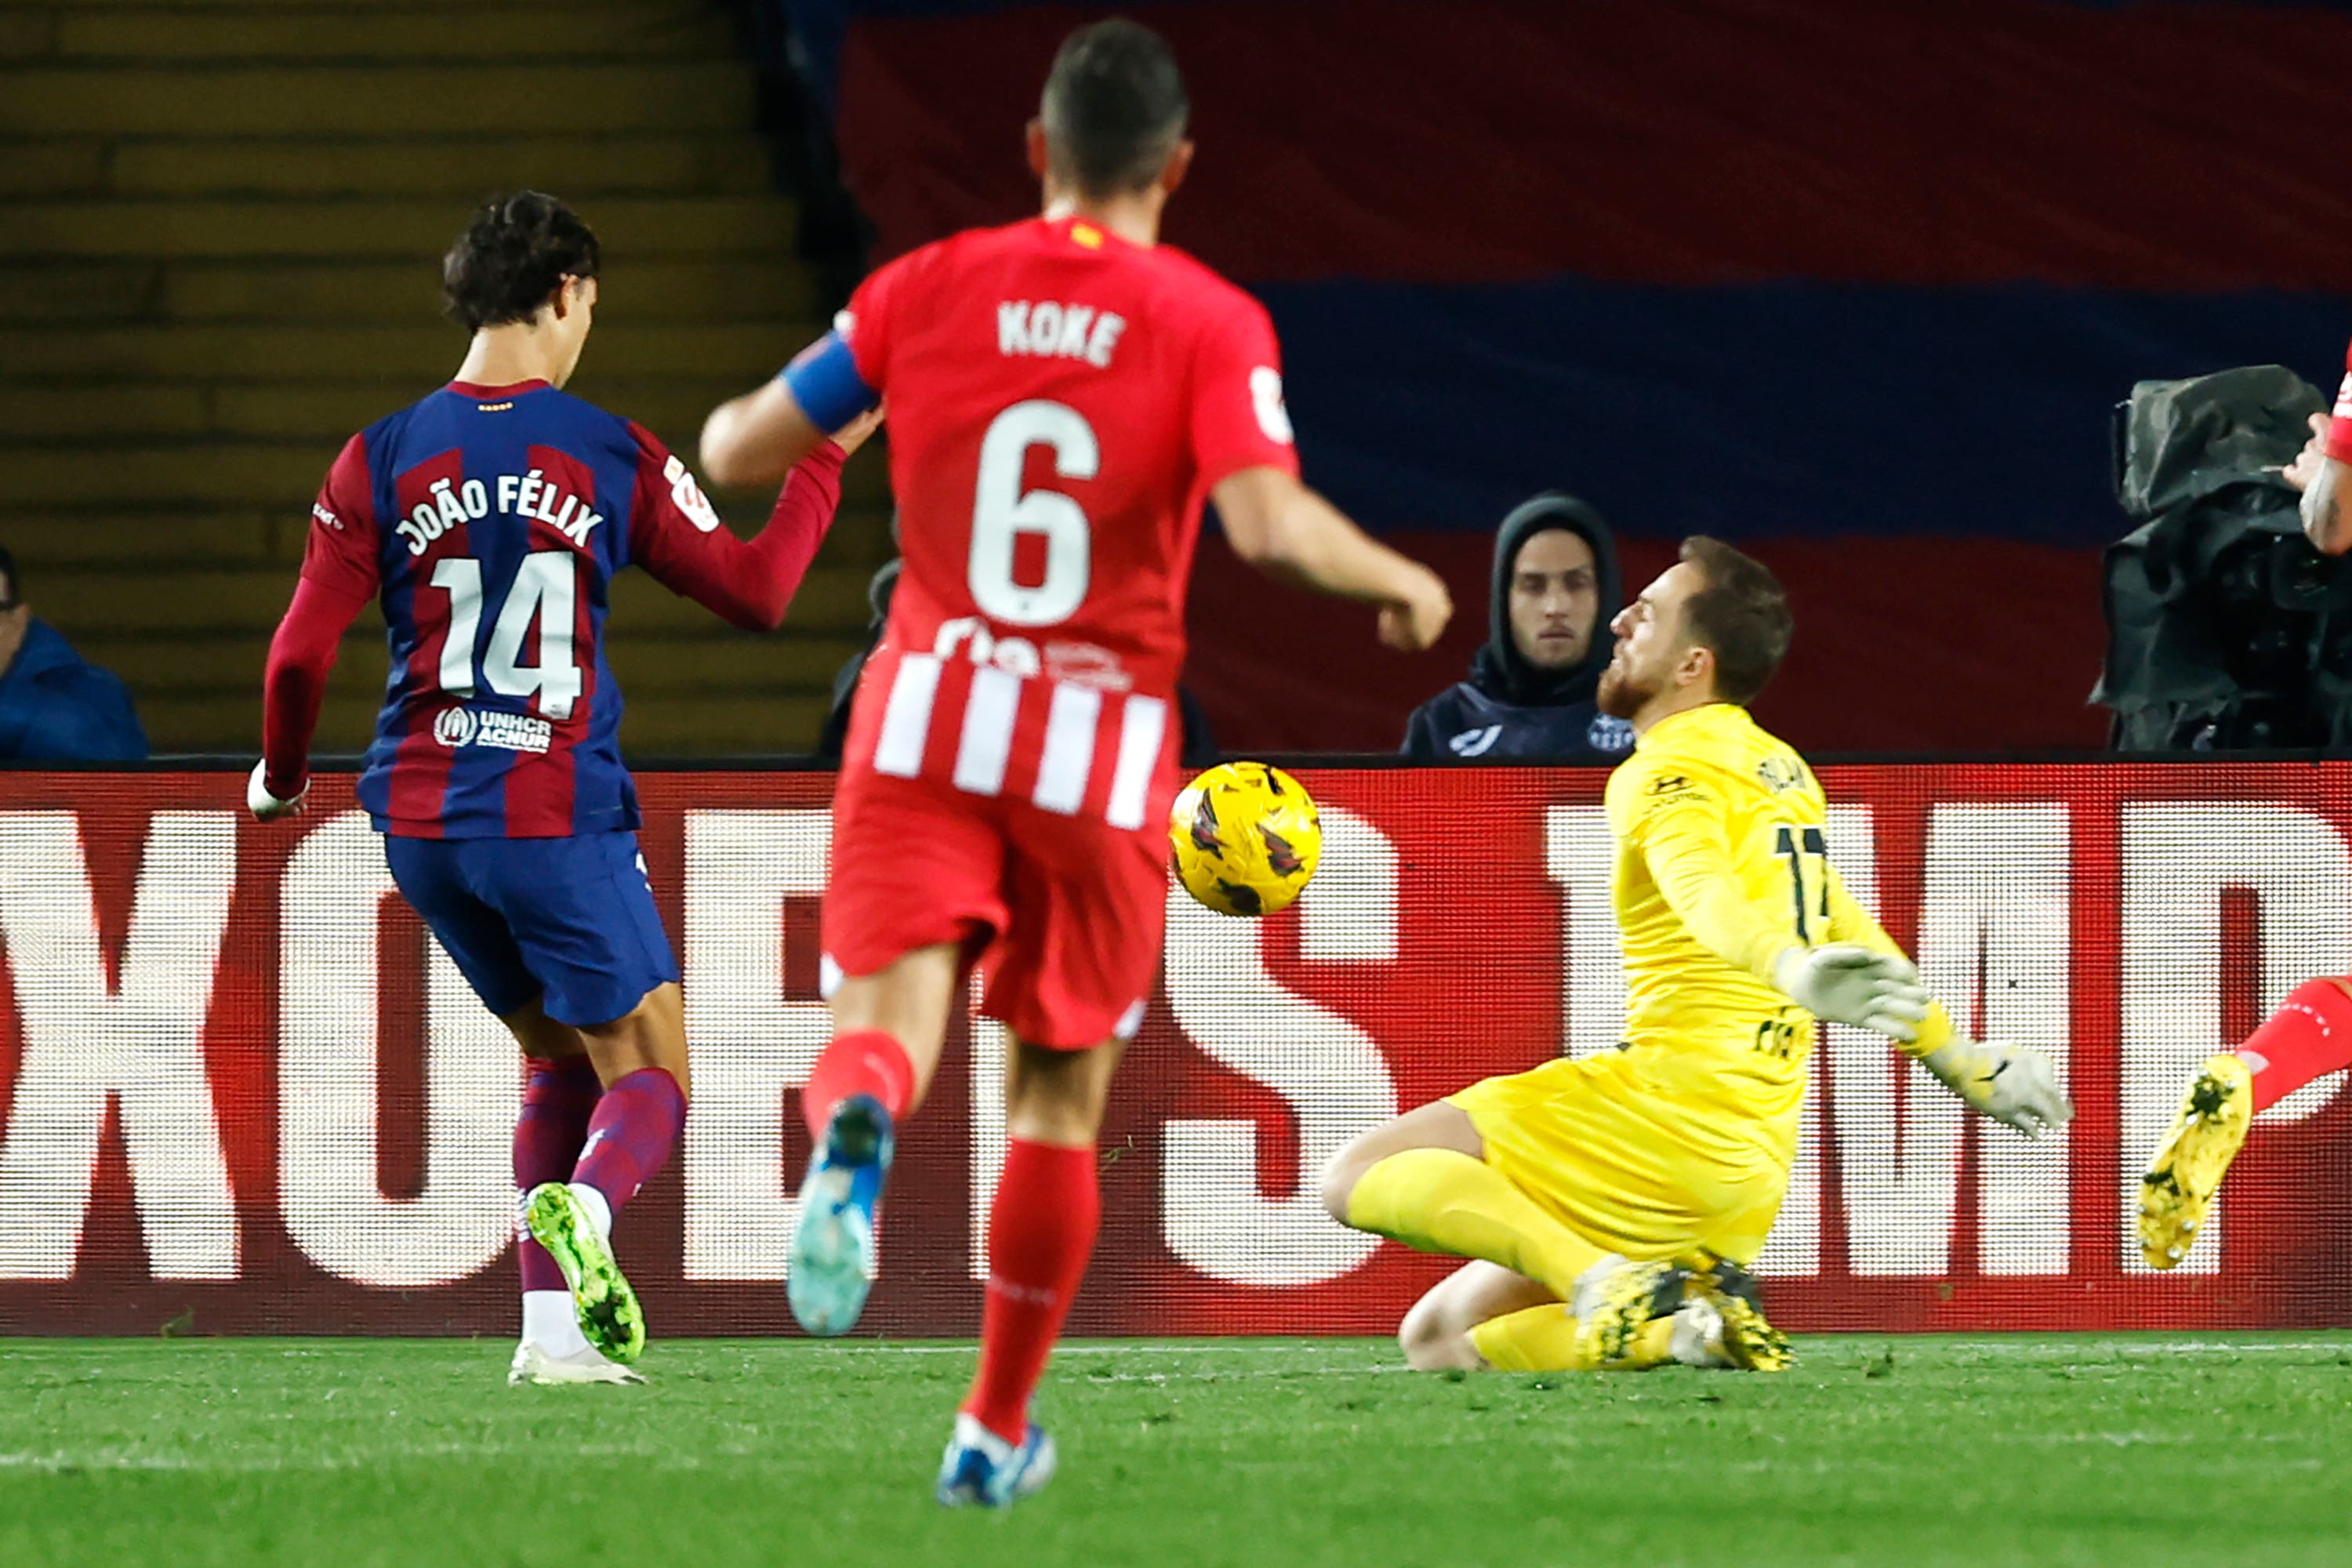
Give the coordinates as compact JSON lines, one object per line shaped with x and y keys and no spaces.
{"x":1529,"y":695}
{"x":55,"y":705}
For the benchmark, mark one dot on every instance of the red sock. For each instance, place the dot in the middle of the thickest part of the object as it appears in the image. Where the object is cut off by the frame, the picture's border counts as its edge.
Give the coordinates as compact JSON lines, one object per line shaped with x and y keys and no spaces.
{"x":1040,"y":1232}
{"x":635,"y":1128}
{"x":558,"y":1098}
{"x":861,"y":1061}
{"x":2309,"y":1036}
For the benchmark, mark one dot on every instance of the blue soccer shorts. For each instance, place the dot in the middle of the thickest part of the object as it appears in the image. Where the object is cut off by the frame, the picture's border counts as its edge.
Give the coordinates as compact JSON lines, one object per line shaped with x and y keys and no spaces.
{"x":570,"y":921}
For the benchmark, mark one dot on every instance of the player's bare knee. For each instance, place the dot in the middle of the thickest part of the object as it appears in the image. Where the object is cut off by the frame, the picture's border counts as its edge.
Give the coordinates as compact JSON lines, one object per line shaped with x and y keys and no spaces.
{"x":1338,"y":1181}
{"x":1433,"y":1339}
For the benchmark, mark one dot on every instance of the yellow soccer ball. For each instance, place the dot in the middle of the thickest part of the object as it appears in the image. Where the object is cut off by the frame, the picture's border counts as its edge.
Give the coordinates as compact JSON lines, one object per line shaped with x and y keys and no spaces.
{"x":1246,"y":838}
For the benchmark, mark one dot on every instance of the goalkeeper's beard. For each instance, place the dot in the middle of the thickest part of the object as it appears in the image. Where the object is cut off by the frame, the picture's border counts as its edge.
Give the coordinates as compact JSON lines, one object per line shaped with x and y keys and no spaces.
{"x":1620,"y":695}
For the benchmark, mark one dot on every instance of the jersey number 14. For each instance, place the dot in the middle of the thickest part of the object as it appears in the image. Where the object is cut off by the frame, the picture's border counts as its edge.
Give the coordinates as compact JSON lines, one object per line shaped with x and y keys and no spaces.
{"x":543,"y":591}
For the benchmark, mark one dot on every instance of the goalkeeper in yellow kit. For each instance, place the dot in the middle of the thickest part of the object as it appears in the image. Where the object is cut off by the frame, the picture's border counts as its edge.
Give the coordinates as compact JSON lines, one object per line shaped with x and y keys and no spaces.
{"x":1612,"y":1205}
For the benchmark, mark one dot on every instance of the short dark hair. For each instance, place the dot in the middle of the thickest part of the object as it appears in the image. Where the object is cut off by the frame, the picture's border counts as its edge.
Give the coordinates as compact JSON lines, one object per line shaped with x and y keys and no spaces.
{"x":1114,"y":107}
{"x":1741,"y":616}
{"x":515,"y":253}
{"x":12,"y":588}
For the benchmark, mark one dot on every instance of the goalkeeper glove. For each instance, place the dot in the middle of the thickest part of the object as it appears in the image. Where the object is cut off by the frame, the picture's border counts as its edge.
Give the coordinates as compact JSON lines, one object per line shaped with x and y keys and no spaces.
{"x":2015,"y":1086}
{"x":1845,"y":983}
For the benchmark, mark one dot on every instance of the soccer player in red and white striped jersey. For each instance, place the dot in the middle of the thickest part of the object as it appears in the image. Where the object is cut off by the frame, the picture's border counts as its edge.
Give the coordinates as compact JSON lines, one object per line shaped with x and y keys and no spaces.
{"x":1065,"y":395}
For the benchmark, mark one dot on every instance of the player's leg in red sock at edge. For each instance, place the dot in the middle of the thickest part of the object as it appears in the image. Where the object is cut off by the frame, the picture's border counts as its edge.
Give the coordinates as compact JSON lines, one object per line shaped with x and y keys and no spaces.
{"x":1041,"y":1231}
{"x":635,"y":1127}
{"x":559,"y":1096}
{"x":2309,"y":1038}
{"x":858,"y":1061}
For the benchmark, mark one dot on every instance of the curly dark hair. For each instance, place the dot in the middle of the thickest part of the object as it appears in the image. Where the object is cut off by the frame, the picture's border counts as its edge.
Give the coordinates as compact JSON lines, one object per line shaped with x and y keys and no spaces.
{"x":516,"y":251}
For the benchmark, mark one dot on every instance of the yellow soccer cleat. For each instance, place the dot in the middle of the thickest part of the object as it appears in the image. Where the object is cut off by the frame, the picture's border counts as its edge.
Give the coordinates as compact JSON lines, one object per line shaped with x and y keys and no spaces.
{"x":1616,"y":1301}
{"x":1747,"y":1342}
{"x":2186,"y":1170}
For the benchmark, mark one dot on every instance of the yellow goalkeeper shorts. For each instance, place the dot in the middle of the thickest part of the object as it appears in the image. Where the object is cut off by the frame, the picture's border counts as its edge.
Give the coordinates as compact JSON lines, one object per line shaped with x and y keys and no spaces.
{"x":1630,"y":1164}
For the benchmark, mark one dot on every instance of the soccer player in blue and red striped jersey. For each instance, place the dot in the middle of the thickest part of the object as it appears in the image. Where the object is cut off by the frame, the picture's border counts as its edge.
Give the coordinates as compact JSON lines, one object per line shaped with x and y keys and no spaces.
{"x":490,"y":519}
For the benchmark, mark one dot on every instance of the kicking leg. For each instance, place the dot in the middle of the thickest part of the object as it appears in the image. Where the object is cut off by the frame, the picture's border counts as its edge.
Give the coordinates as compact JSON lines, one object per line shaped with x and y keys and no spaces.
{"x":2309,"y":1038}
{"x":889,"y":1028}
{"x":559,"y":1095}
{"x":1041,"y":1231}
{"x":640,"y":1058}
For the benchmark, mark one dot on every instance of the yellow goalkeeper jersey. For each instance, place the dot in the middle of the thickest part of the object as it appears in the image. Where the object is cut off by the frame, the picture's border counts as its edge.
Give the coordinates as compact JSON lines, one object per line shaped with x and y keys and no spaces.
{"x":1722,"y":865}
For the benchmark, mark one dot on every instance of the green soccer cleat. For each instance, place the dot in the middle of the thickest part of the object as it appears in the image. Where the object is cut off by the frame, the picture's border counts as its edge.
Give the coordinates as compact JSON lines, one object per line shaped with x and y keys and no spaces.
{"x":2186,"y":1170}
{"x":609,"y":1314}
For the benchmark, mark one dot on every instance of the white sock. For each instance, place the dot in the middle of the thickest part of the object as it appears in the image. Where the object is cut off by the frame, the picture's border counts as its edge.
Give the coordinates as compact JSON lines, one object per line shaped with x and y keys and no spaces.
{"x":600,"y":1212}
{"x":550,"y":1322}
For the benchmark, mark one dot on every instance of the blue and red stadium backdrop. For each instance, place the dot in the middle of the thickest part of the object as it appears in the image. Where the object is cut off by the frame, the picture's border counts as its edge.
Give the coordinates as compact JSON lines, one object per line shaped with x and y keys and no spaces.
{"x":1851,"y":282}
{"x":241,"y":1092}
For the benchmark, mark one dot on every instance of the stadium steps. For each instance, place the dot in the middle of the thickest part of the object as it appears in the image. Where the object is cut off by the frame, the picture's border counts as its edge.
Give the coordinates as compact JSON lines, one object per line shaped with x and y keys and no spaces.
{"x":219,"y":226}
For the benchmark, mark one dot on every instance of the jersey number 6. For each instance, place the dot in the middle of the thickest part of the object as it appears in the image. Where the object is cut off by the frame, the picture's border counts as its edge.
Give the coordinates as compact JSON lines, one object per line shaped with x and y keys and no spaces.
{"x":1001,"y":512}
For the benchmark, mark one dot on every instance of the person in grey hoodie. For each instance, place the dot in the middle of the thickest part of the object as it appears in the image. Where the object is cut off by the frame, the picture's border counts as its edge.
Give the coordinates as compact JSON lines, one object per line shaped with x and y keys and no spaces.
{"x":1530,"y":697}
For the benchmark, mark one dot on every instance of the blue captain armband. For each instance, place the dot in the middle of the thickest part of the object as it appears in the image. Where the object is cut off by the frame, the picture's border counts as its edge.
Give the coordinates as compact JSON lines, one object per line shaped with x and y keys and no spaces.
{"x":822,"y":379}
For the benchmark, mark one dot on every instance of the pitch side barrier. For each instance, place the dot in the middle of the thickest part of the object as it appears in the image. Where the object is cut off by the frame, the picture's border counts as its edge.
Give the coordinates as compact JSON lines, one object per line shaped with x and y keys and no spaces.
{"x":242,"y":1093}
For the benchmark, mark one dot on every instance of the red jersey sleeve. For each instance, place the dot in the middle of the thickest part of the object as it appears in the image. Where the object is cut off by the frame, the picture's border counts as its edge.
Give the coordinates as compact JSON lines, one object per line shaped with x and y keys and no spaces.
{"x":676,"y":535}
{"x":1238,"y":419}
{"x":2339,"y":427}
{"x":870,"y":320}
{"x":340,"y":575}
{"x":341,"y":552}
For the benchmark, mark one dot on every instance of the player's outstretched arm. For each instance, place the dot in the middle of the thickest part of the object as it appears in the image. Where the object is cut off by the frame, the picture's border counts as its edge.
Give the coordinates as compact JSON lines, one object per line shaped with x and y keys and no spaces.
{"x":1290,"y":533}
{"x":758,"y":438}
{"x":1683,"y":840}
{"x":749,"y":584}
{"x":2015,"y":1086}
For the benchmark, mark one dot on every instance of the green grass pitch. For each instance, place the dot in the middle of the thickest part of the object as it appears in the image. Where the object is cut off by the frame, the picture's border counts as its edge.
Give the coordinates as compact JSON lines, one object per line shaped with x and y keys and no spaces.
{"x":2123,"y":1449}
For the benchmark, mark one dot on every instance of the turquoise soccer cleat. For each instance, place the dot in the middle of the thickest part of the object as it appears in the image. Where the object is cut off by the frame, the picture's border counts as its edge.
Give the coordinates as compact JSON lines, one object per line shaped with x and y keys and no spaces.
{"x":981,"y":1469}
{"x":833,"y":1262}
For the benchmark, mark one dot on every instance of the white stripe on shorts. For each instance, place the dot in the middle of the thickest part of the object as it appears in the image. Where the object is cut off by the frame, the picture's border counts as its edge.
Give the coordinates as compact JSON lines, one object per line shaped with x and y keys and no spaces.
{"x":907,"y":721}
{"x":1141,"y":729}
{"x":988,"y":711}
{"x":1068,"y":760}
